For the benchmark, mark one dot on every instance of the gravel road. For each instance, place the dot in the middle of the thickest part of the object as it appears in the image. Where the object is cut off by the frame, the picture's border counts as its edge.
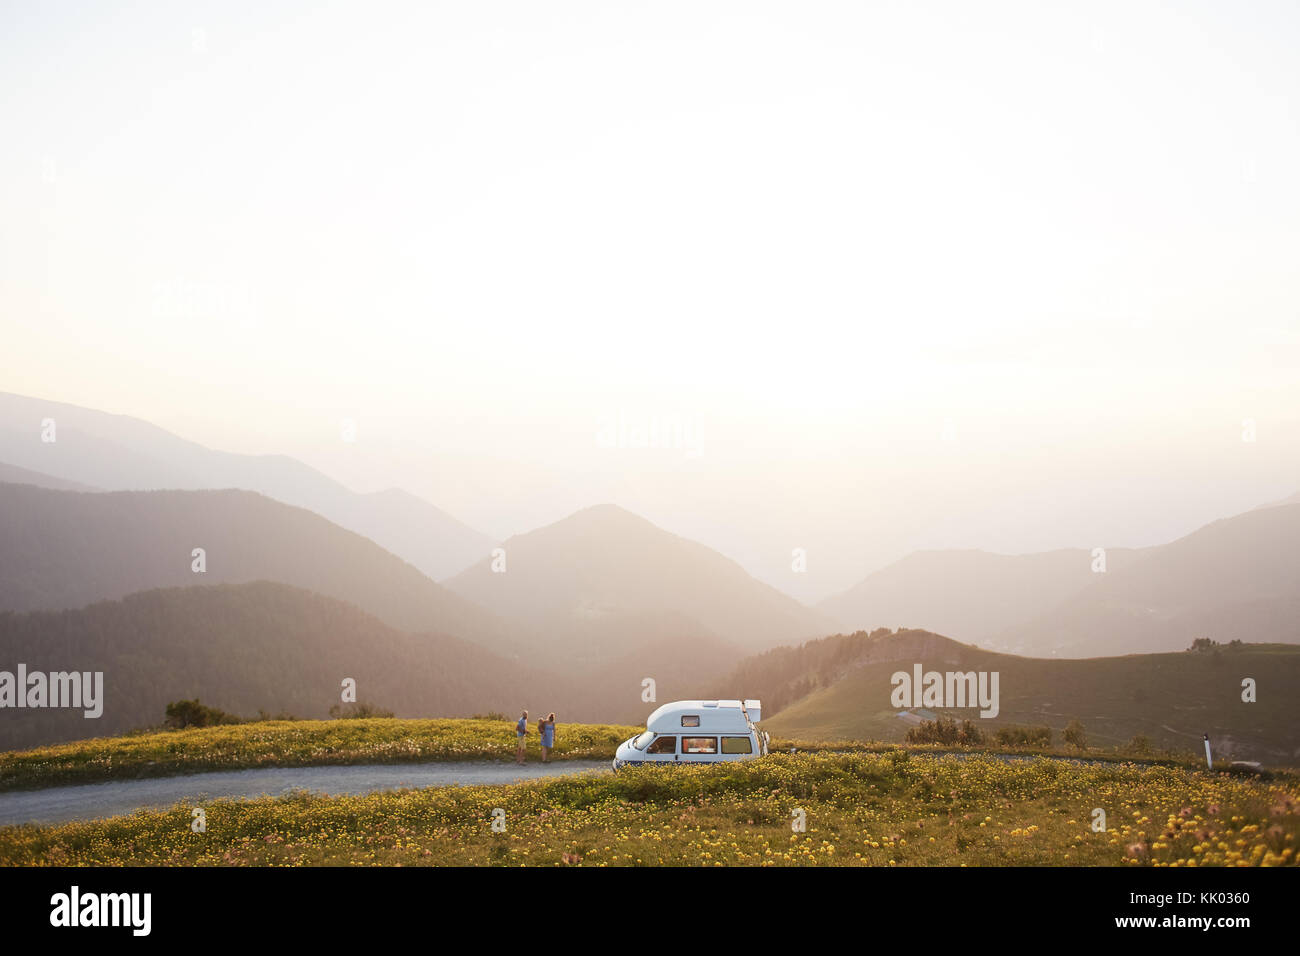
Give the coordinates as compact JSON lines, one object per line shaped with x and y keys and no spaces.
{"x":95,"y":800}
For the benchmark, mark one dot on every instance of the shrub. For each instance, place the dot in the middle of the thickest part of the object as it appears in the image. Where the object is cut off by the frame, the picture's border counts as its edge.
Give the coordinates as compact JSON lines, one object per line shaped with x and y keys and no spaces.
{"x":946,"y":731}
{"x":358,"y":711}
{"x":1074,"y":735}
{"x":1015,"y":736}
{"x":282,"y":715}
{"x":191,"y":713}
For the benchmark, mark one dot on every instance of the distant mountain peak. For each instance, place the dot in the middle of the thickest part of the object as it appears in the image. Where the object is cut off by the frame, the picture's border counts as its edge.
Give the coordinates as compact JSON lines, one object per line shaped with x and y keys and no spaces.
{"x":605,"y":565}
{"x":606,"y":512}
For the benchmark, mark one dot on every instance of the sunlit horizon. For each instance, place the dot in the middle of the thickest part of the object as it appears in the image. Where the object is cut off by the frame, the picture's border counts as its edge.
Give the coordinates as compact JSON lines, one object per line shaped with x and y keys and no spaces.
{"x":890,"y":277}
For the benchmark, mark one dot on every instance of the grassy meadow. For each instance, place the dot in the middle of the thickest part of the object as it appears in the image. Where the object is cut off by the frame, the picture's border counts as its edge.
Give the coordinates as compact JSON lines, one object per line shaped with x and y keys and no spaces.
{"x":871,"y":809}
{"x":304,"y":743}
{"x":296,"y":743}
{"x":1170,"y":699}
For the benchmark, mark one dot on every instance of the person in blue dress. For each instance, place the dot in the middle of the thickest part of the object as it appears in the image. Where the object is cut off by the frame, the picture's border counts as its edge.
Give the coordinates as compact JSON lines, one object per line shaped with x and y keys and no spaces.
{"x":546,"y":726}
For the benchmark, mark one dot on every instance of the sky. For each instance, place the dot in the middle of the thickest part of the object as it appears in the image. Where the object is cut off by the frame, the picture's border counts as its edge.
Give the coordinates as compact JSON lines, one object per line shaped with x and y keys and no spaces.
{"x":856,"y":278}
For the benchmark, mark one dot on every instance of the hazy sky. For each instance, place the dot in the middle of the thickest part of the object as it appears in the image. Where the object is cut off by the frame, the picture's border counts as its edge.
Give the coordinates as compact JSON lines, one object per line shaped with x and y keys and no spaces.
{"x":881,"y":275}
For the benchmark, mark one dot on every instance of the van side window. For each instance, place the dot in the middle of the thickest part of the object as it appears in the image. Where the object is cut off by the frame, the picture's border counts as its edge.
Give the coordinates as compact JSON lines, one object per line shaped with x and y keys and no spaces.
{"x":699,"y":745}
{"x":737,"y":745}
{"x":663,"y":745}
{"x":691,"y":720}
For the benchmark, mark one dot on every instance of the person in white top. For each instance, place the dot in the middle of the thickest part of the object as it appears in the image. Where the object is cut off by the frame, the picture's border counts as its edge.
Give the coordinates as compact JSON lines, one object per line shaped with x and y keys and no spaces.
{"x":521,"y":737}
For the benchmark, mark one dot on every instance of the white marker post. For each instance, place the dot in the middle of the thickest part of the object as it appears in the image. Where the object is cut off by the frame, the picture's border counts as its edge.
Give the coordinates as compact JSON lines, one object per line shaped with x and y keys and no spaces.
{"x":1208,"y":762}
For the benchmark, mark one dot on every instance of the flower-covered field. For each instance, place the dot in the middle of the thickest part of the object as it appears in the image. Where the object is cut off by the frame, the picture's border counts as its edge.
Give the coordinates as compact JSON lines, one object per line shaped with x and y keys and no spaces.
{"x":893,"y":809}
{"x":296,"y":743}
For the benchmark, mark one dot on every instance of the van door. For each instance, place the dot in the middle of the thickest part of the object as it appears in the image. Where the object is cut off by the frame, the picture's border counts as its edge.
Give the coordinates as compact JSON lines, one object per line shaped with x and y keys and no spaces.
{"x":663,"y":749}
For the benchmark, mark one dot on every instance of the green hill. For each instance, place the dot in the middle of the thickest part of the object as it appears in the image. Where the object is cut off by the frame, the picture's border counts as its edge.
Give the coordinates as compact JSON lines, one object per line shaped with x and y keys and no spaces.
{"x":293,"y":743}
{"x":840,"y":688}
{"x":247,"y":648}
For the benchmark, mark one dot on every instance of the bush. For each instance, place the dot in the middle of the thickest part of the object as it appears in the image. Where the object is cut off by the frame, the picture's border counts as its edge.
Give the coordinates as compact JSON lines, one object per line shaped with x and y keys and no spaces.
{"x":898,"y":758}
{"x":1015,"y":736}
{"x":282,"y":715}
{"x":191,"y":713}
{"x":1074,"y":735}
{"x":1140,"y":744}
{"x":946,"y":731}
{"x":358,"y":711}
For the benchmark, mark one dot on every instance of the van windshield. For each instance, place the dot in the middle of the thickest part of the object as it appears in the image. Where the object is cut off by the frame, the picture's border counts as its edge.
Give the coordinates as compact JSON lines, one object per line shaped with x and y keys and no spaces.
{"x":641,"y":739}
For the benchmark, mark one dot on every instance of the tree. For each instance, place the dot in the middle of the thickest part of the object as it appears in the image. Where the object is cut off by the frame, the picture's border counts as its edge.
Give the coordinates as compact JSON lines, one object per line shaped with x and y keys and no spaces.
{"x":191,"y":713}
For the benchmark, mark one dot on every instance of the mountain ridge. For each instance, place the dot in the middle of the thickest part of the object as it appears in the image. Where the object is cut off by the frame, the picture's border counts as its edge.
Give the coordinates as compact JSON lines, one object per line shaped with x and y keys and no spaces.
{"x":123,"y":453}
{"x":605,"y":560}
{"x":1054,"y":602}
{"x":64,"y":549}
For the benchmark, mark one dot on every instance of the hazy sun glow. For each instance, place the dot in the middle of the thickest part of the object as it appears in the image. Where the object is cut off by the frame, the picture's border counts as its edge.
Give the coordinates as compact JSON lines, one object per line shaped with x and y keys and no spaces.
{"x":896,"y":275}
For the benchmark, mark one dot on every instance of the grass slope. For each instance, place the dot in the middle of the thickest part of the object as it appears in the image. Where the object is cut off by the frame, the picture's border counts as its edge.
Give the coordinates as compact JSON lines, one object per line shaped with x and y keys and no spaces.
{"x":299,"y":743}
{"x":860,"y":809}
{"x":1171,"y":698}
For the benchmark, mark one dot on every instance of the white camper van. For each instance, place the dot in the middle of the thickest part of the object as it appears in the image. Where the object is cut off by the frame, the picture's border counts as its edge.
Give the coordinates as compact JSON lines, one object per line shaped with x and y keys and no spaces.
{"x":697,"y":731}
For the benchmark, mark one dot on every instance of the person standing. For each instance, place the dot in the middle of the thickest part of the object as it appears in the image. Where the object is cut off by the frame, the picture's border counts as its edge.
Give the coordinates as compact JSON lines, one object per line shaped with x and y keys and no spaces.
{"x":521,"y":737}
{"x":548,"y":736}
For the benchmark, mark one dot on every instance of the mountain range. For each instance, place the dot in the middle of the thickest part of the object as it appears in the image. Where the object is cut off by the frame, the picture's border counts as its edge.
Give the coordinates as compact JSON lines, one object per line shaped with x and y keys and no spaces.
{"x":582,"y":580}
{"x":120,"y":453}
{"x":66,"y":549}
{"x":975,"y":594}
{"x":601,"y":613}
{"x":1237,"y":578}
